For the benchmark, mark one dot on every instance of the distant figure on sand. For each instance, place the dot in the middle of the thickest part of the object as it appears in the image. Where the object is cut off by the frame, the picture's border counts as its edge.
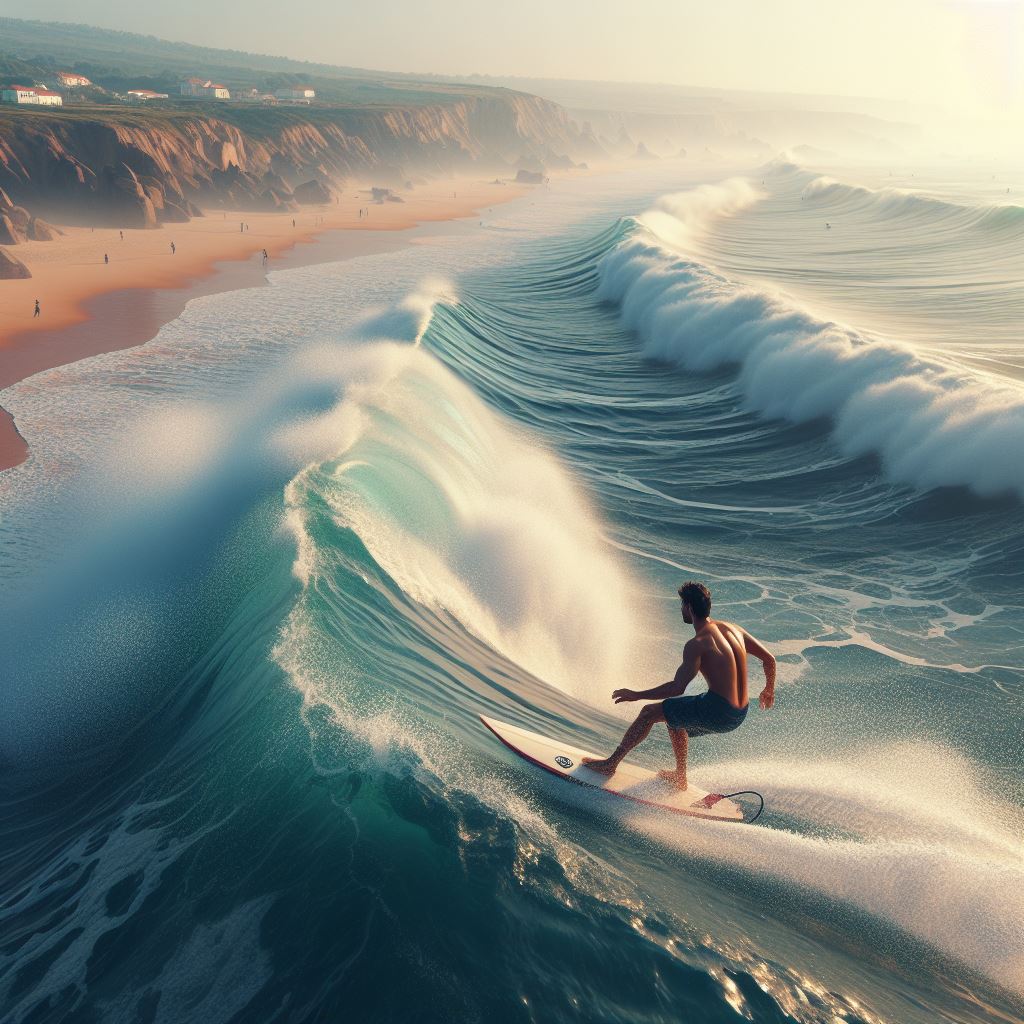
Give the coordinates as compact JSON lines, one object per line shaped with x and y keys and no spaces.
{"x":173,"y":249}
{"x":265,"y":256}
{"x":121,"y":233}
{"x":106,"y":258}
{"x":718,"y":651}
{"x":36,"y":313}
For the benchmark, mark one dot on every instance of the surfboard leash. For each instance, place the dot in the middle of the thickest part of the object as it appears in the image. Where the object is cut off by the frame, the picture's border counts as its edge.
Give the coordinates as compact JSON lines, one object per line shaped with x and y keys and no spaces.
{"x":712,"y":798}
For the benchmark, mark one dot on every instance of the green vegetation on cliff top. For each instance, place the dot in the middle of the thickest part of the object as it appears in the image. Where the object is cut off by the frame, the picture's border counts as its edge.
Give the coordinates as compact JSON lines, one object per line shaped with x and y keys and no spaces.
{"x":119,"y":61}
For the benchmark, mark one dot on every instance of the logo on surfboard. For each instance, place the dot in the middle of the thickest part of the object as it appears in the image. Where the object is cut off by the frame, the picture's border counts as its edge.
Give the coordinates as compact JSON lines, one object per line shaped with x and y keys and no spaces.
{"x":563,"y":762}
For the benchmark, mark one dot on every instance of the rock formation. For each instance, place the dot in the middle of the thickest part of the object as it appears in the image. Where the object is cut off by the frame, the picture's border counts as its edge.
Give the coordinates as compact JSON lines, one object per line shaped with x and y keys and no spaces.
{"x":143,"y":168}
{"x":40,"y":231}
{"x":123,"y":198}
{"x":18,"y":225}
{"x":525,"y":177}
{"x":9,"y":233}
{"x":11,"y":268}
{"x":313,"y":193}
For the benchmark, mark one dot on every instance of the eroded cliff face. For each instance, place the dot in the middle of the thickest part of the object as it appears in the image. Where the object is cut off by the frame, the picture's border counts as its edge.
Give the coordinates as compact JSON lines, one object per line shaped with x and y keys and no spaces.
{"x":142,"y":168}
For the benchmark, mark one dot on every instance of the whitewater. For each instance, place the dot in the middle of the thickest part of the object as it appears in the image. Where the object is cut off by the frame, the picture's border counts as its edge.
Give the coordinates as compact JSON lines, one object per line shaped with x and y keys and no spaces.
{"x":262,"y":575}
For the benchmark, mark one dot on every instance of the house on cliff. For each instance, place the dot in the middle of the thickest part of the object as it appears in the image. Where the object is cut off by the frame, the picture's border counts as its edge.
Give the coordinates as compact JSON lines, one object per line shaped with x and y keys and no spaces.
{"x":31,"y":95}
{"x":201,"y":88}
{"x":296,"y":92}
{"x":142,"y":95}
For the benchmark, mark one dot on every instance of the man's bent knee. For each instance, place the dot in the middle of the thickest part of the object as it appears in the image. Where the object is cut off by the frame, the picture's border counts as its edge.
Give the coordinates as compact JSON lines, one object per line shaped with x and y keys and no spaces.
{"x":652,"y":713}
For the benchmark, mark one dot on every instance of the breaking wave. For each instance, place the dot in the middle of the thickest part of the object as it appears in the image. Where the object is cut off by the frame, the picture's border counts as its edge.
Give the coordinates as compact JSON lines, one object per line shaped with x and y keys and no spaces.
{"x":932,"y":422}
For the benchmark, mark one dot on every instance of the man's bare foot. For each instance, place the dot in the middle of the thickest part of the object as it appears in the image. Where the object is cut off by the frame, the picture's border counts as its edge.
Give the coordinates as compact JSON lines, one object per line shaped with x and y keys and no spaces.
{"x":601,"y":765}
{"x":673,"y":775}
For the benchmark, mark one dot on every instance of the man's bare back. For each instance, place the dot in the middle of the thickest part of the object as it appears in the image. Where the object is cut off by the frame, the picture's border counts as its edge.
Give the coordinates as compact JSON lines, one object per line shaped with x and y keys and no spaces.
{"x":718,"y":651}
{"x":719,"y":647}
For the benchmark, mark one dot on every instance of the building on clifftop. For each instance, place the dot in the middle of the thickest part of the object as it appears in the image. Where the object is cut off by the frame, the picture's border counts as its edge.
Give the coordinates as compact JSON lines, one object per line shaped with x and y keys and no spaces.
{"x":296,"y":92}
{"x":203,"y":88}
{"x":30,"y":94}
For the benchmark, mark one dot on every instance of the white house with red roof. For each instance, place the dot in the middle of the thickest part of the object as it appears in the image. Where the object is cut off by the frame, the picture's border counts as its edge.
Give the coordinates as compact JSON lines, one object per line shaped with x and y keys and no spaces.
{"x":204,"y":88}
{"x":32,"y":95}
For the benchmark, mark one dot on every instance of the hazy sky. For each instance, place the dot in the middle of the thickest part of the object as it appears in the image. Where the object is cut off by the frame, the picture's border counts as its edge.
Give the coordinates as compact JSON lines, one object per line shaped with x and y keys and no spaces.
{"x":968,"y":54}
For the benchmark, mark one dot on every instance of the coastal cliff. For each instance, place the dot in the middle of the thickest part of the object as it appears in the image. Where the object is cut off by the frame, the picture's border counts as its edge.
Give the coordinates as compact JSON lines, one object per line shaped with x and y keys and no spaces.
{"x":139,"y":167}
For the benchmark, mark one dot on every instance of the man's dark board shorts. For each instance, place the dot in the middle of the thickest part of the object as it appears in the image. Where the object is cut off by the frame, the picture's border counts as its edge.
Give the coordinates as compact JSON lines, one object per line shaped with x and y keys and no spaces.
{"x":703,"y":714}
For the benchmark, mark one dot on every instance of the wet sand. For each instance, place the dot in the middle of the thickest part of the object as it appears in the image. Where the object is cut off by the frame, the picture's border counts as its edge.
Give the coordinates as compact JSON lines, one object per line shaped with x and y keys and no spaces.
{"x":89,"y":306}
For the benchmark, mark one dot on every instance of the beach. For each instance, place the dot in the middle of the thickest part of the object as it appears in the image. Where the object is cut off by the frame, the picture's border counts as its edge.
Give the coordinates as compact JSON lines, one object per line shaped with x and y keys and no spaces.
{"x":89,"y":305}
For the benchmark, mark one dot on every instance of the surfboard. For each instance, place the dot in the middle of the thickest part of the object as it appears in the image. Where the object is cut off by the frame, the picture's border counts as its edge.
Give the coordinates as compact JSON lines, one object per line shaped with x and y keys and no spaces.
{"x":630,"y":781}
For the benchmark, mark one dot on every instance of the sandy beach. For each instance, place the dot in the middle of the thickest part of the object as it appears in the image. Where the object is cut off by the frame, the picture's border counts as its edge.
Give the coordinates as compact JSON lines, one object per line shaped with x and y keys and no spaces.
{"x":89,"y":305}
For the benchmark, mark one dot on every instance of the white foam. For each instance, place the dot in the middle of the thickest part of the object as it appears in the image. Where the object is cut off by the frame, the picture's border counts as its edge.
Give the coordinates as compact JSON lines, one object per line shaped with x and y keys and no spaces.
{"x":470,"y":517}
{"x":928,"y":844}
{"x":932,"y":423}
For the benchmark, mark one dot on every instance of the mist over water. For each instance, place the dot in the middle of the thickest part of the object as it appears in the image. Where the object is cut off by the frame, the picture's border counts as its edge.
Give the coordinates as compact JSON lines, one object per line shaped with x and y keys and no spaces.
{"x":256,"y":599}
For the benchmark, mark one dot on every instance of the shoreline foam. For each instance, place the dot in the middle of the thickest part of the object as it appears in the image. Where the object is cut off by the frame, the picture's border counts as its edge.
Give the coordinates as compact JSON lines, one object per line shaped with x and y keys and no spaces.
{"x":89,"y":307}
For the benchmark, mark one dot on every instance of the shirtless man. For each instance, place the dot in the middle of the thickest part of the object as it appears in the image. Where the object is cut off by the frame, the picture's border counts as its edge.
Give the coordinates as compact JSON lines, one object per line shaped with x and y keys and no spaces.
{"x":718,"y":651}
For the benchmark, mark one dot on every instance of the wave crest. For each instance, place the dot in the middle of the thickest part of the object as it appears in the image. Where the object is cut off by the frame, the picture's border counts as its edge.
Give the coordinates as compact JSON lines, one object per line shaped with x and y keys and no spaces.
{"x":932,"y":423}
{"x":470,"y":517}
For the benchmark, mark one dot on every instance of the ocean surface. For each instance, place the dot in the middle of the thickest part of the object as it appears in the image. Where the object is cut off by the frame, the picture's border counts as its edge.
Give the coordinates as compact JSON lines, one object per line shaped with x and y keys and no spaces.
{"x":262,"y":574}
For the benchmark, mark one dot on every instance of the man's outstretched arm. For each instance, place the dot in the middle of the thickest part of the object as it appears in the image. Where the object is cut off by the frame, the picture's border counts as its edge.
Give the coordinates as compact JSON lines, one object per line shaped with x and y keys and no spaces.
{"x":674,"y":687}
{"x":757,"y":650}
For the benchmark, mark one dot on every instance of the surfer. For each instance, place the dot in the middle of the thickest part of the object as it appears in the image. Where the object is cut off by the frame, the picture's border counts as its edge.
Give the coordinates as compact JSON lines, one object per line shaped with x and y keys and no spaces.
{"x":718,"y":651}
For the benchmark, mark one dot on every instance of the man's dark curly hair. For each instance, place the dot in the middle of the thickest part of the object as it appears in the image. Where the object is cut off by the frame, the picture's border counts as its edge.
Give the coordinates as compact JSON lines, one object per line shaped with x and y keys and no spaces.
{"x":698,"y":597}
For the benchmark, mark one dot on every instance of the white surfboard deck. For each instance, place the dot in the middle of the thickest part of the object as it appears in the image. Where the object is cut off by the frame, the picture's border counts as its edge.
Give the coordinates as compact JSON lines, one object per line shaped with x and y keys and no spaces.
{"x":630,"y":781}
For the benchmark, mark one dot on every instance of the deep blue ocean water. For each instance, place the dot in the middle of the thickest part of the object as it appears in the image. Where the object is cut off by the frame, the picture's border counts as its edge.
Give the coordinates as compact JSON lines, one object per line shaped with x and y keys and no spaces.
{"x":261,"y":576}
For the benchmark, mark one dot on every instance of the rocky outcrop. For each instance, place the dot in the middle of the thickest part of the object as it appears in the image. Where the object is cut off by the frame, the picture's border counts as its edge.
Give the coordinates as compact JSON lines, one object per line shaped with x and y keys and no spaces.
{"x":525,"y":177}
{"x":17,"y":225}
{"x":172,"y":213}
{"x":9,"y":232}
{"x":19,"y":216}
{"x":120,"y":194}
{"x":11,"y":267}
{"x":313,"y":193}
{"x":274,"y":201}
{"x":15,"y":221}
{"x":143,"y":168}
{"x":40,"y":231}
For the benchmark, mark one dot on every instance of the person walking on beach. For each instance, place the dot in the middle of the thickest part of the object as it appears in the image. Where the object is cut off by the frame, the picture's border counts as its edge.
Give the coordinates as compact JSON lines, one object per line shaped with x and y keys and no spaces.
{"x":718,"y":651}
{"x":173,"y":249}
{"x":121,"y":233}
{"x":106,"y":258}
{"x":265,"y":257}
{"x":36,"y":313}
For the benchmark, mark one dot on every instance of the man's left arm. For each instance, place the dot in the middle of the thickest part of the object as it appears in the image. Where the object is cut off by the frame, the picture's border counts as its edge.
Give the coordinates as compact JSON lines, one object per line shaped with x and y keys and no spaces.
{"x":755,"y":648}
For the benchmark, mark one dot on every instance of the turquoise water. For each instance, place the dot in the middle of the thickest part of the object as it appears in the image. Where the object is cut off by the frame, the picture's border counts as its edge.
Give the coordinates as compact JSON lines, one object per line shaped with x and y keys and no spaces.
{"x":264,"y":573}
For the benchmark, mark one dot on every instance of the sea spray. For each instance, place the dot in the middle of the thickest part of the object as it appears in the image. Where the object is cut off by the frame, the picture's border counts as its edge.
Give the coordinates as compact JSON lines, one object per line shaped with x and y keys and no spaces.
{"x":470,"y":517}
